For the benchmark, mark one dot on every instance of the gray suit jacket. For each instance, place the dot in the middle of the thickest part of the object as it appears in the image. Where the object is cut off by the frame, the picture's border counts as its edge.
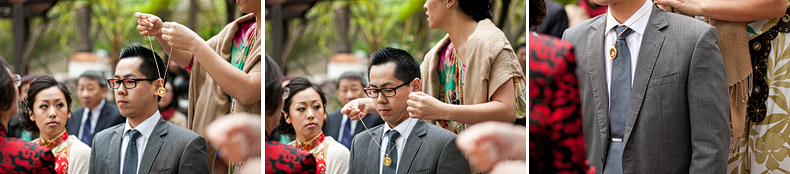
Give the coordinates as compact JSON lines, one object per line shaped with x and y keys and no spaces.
{"x":429,"y":149}
{"x":678,"y":112}
{"x":170,"y":149}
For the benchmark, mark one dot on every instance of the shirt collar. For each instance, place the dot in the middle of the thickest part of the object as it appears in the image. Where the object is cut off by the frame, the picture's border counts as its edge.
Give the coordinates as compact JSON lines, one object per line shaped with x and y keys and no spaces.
{"x":146,"y":127}
{"x":638,"y":26}
{"x":402,"y":127}
{"x":96,"y":110}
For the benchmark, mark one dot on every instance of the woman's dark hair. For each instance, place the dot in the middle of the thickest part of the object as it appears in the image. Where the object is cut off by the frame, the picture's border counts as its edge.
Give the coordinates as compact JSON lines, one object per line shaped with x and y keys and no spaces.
{"x":7,"y":88}
{"x":41,"y":83}
{"x":478,"y":9}
{"x":274,"y":87}
{"x":537,"y":11}
{"x":174,"y":101}
{"x":297,"y":85}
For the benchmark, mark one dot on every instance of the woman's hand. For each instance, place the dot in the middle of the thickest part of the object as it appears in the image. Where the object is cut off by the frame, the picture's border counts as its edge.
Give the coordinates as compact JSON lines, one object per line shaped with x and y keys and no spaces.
{"x":486,"y":144}
{"x":180,"y":37}
{"x":236,"y":136}
{"x":148,"y":24}
{"x":355,"y":109}
{"x":424,"y":106}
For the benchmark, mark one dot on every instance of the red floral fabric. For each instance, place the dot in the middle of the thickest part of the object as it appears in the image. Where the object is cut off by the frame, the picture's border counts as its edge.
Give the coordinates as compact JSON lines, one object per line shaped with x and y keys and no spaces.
{"x":18,"y":156}
{"x":556,"y":140}
{"x":319,"y":155}
{"x":282,"y":158}
{"x":61,"y":154}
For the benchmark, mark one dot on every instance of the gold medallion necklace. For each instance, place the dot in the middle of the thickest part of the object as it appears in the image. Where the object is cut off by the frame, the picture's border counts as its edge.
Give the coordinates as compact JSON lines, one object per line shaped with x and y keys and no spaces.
{"x":387,"y":160}
{"x":613,"y":50}
{"x":161,"y":91}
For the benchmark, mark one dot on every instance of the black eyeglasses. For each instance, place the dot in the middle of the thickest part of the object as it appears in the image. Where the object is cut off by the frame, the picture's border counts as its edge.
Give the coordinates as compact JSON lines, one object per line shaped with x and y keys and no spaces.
{"x":387,"y":91}
{"x":127,"y":83}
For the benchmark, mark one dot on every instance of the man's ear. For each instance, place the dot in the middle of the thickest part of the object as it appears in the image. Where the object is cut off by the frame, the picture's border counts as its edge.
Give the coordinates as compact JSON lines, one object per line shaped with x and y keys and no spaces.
{"x":160,"y":83}
{"x":416,"y":85}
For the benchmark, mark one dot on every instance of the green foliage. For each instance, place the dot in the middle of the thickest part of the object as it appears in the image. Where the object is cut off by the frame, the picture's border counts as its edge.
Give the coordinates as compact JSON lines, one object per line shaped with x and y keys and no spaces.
{"x":112,"y":26}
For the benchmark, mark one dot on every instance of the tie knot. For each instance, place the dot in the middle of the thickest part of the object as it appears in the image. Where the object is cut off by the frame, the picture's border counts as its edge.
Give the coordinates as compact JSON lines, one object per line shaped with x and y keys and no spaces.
{"x":393,"y":134}
{"x":134,"y":134}
{"x":619,"y":29}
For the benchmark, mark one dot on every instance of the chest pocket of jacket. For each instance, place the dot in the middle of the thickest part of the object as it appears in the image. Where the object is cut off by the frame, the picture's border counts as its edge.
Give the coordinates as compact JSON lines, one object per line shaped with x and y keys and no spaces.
{"x":663,"y":80}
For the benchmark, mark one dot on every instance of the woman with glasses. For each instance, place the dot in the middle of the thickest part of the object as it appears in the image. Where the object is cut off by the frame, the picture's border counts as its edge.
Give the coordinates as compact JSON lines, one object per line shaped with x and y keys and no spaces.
{"x":45,"y":112}
{"x":304,"y":115}
{"x":17,"y":155}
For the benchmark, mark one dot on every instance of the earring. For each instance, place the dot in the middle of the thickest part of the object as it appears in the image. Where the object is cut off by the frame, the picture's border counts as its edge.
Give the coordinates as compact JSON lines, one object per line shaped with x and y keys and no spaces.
{"x":448,"y":5}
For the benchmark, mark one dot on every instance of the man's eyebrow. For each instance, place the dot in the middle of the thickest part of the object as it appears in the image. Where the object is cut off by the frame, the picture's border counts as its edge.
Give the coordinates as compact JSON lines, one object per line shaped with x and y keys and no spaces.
{"x":385,"y":84}
{"x":125,"y":76}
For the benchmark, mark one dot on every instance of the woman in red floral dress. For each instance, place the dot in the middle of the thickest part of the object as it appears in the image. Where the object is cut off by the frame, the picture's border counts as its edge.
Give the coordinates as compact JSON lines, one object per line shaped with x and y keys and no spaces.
{"x":46,"y":110}
{"x":556,"y":141}
{"x":16,"y":155}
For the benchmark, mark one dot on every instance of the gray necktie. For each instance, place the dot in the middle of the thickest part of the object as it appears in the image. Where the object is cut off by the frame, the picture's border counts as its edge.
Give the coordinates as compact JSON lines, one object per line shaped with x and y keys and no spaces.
{"x":618,"y":105}
{"x":130,"y":160}
{"x":393,"y":152}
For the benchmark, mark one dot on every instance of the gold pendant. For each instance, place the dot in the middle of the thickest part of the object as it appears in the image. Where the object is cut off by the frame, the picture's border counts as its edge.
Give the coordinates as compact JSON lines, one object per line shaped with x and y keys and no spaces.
{"x":613,"y":52}
{"x":387,"y":161}
{"x":161,"y":92}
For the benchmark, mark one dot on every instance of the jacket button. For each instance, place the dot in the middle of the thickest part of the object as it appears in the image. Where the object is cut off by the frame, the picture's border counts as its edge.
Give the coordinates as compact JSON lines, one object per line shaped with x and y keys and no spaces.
{"x":602,"y":159}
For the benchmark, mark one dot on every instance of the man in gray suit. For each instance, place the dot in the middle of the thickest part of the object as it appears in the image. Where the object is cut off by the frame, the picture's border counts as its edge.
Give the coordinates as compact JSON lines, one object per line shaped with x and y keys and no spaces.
{"x":654,"y":91}
{"x":403,"y":144}
{"x":145,"y":143}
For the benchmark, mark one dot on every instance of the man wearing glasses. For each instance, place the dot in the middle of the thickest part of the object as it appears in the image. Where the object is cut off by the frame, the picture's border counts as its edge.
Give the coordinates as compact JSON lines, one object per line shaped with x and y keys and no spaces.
{"x":403,"y":143}
{"x":145,"y":143}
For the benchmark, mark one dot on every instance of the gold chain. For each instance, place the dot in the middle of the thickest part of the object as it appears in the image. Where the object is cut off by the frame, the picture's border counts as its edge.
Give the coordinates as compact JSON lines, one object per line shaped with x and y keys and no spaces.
{"x":374,"y":138}
{"x":627,"y":27}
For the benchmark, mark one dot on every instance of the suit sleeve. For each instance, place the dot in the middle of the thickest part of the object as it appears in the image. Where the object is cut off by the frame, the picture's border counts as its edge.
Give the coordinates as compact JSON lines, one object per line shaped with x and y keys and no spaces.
{"x":92,"y":162}
{"x":193,"y":159}
{"x":708,"y":106}
{"x":452,"y":160}
{"x":351,"y":162}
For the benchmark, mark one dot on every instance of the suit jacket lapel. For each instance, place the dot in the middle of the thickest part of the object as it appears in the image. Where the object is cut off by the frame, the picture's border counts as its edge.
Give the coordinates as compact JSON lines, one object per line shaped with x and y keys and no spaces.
{"x":373,"y":147}
{"x":114,"y":153}
{"x":368,"y":122}
{"x":155,"y":142}
{"x":597,"y":69}
{"x":77,"y":120}
{"x":334,"y":125}
{"x":413,"y":143}
{"x":652,"y":41}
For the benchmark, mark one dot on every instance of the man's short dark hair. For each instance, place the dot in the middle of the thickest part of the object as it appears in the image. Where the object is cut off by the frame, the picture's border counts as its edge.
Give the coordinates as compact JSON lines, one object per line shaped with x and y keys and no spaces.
{"x":406,"y":67}
{"x":94,"y":75}
{"x":149,"y":66}
{"x":522,"y":45}
{"x":351,"y":76}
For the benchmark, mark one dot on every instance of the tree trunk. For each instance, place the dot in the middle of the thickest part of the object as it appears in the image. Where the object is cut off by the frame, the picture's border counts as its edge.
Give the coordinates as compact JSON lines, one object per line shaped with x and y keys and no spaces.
{"x":84,"y":13}
{"x":503,"y":11}
{"x":193,"y":11}
{"x":341,"y":28}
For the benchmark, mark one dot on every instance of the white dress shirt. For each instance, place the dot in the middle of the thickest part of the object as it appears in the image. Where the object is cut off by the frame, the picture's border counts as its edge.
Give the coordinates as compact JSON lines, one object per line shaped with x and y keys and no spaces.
{"x":404,"y":129}
{"x":95,"y":113}
{"x":145,"y":128}
{"x":343,"y":126}
{"x":634,"y":40}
